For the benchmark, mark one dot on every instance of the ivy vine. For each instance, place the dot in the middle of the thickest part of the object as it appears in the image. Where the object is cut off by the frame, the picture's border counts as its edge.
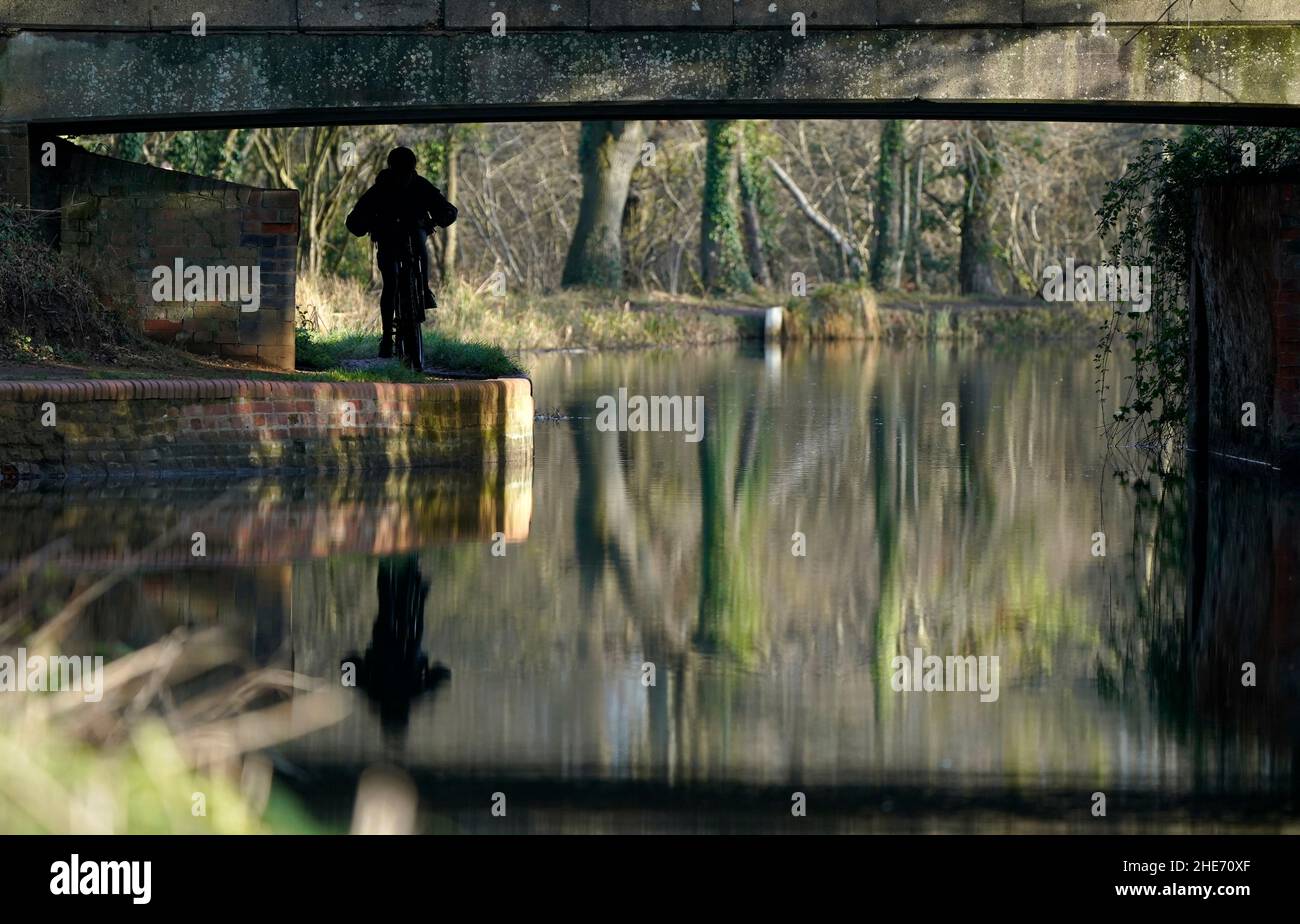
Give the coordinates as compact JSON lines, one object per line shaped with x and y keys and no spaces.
{"x":1147,"y":215}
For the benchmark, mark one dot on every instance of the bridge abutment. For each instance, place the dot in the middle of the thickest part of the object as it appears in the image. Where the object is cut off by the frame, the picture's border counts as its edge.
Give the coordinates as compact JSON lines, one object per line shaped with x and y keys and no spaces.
{"x":1244,"y":317}
{"x":205,"y":265}
{"x":15,"y":172}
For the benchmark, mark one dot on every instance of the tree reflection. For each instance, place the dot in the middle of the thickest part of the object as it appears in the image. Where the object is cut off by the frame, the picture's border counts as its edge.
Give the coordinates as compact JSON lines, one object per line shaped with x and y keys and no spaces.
{"x":734,"y":458}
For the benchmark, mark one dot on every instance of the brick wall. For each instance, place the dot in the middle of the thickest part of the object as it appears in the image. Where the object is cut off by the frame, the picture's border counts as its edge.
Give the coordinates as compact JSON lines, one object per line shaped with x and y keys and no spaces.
{"x":121,"y":220}
{"x":248,"y":521}
{"x":1244,"y":305}
{"x":1250,"y":587}
{"x":1286,"y":325}
{"x":193,"y":427}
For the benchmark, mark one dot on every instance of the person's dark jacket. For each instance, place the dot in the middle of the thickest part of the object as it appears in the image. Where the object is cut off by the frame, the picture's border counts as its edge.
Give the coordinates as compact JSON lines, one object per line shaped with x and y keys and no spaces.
{"x":390,"y":201}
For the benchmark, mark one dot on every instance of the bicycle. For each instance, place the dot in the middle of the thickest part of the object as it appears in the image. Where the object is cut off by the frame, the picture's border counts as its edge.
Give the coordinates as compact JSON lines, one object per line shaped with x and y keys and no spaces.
{"x":409,"y":309}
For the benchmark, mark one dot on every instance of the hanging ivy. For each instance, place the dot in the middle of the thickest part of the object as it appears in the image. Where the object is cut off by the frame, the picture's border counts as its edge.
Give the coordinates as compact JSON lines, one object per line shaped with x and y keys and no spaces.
{"x":722,"y":245}
{"x":1147,"y":215}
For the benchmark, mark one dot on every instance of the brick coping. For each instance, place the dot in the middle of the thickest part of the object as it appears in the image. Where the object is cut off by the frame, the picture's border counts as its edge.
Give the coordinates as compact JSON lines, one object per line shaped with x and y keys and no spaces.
{"x":192,"y":388}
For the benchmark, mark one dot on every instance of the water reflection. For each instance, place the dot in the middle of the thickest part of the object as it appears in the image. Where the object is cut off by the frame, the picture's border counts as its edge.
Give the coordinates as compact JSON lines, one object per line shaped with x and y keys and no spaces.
{"x":394,"y":670}
{"x":772,"y":668}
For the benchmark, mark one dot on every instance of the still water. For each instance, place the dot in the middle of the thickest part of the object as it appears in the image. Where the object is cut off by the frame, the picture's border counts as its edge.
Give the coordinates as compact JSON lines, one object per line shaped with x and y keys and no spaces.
{"x":646,"y":633}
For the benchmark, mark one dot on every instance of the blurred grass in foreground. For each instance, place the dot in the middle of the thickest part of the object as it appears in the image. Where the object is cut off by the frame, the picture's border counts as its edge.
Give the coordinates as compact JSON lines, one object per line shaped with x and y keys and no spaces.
{"x":174,"y":737}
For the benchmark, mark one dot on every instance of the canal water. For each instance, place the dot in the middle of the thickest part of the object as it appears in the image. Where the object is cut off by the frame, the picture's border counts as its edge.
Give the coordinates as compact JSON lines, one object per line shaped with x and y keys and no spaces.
{"x":646,"y":632}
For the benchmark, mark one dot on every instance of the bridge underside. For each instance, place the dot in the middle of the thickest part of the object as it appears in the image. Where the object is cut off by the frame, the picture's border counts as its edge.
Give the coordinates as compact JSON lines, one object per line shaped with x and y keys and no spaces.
{"x":116,"y":80}
{"x":85,"y":66}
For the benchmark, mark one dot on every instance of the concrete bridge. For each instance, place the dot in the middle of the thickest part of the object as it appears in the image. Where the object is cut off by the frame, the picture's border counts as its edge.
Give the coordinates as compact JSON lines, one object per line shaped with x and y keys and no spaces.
{"x":94,"y":65}
{"x":84,"y":66}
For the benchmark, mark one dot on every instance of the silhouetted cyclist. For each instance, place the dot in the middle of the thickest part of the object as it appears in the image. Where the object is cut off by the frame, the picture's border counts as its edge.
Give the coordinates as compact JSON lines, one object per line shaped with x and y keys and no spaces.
{"x":399,"y":196}
{"x":394,"y":670}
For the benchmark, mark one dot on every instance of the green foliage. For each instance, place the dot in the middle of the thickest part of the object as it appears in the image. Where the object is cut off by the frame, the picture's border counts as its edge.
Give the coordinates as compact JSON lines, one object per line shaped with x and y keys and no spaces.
{"x":756,"y":180}
{"x":891,"y":145}
{"x":327,"y":353}
{"x":204,"y":153}
{"x":130,"y":146}
{"x":433,"y":150}
{"x":143,"y":785}
{"x":722,"y":244}
{"x":1147,"y":214}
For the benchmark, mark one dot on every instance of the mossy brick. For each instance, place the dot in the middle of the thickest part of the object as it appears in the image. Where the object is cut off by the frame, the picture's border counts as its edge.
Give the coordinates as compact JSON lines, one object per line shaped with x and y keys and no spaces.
{"x":280,"y":199}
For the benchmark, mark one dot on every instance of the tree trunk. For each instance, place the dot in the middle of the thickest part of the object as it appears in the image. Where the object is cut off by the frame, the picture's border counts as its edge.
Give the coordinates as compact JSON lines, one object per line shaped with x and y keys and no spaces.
{"x":722,"y":253}
{"x":904,"y":228}
{"x":608,"y":154}
{"x":914,"y":237}
{"x":451,"y":173}
{"x":975,"y":267}
{"x":885,"y":254}
{"x":752,"y":217}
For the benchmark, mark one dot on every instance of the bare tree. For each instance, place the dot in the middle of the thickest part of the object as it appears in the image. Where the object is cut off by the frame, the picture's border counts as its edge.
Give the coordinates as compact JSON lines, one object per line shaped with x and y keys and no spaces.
{"x":850,"y":249}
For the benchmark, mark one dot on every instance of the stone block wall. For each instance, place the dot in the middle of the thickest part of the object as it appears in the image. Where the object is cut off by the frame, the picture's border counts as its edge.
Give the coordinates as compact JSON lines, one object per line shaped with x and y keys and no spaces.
{"x":121,"y":220}
{"x":14,"y":170}
{"x":1244,"y":309}
{"x":197,"y":427}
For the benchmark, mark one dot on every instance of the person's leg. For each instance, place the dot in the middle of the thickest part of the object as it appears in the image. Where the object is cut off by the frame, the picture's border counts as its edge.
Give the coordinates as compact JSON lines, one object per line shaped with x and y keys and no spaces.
{"x":424,"y":265}
{"x":388,"y":272}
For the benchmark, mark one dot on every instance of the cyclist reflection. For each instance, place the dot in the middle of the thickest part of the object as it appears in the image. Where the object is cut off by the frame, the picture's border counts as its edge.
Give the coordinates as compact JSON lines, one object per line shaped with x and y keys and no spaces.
{"x":394,"y":670}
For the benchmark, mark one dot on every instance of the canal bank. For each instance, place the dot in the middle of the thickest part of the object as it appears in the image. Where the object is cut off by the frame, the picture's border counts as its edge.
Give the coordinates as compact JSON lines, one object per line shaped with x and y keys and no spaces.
{"x":190,"y":426}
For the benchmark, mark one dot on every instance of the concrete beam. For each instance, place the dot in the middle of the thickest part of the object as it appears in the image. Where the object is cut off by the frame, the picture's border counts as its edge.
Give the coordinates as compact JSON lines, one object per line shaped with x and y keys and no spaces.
{"x":519,"y":14}
{"x":1128,"y":12}
{"x":224,"y":15}
{"x":951,"y":13}
{"x":476,"y":15}
{"x":661,"y":14}
{"x":153,"y":78}
{"x":820,"y":13}
{"x":54,"y":14}
{"x":314,"y":15}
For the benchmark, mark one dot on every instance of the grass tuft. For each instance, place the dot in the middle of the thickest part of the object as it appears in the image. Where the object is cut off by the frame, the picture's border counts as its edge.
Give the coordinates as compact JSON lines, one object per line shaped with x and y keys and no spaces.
{"x":327,"y":353}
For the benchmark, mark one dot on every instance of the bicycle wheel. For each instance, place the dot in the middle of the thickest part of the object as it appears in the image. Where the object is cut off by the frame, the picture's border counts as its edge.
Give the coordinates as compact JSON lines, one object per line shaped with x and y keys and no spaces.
{"x":399,"y":312}
{"x":409,"y":326}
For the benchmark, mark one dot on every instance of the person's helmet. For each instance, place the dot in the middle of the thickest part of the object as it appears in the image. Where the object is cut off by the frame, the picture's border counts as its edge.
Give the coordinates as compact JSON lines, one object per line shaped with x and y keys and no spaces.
{"x":402,"y":160}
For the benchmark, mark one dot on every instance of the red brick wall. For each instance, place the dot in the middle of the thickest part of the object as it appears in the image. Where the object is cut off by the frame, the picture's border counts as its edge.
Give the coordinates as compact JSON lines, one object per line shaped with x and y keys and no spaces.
{"x":121,"y":219}
{"x":1286,"y":327}
{"x":197,"y":426}
{"x":245,"y":521}
{"x":1246,"y":279}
